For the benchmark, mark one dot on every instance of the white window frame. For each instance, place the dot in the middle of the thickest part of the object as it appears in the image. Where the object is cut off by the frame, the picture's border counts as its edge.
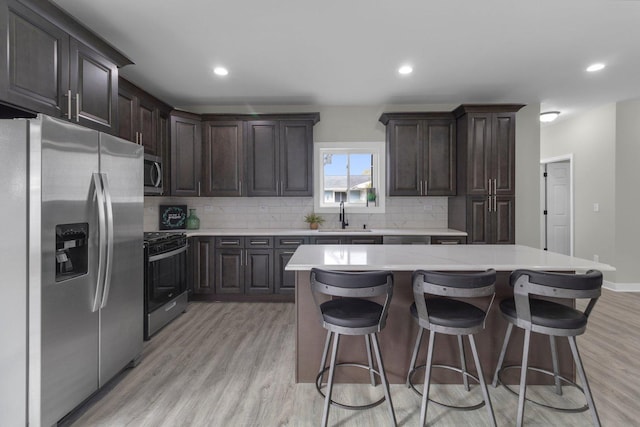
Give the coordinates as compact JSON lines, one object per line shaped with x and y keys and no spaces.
{"x":379,"y":166}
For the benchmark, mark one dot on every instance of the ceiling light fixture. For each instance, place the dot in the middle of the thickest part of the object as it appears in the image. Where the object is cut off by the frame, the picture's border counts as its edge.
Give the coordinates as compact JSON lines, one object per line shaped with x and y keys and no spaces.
{"x":221,"y":71}
{"x":405,"y":69}
{"x":549,"y":116}
{"x":595,"y":67}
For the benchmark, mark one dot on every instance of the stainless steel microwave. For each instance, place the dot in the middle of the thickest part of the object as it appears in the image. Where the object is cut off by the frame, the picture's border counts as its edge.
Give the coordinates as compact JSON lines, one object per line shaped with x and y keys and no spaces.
{"x":152,"y":175}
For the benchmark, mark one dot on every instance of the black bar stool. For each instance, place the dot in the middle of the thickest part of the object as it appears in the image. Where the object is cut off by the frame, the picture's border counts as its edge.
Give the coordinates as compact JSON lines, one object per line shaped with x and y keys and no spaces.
{"x":452,"y":317}
{"x":552,"y":319}
{"x":352,"y":314}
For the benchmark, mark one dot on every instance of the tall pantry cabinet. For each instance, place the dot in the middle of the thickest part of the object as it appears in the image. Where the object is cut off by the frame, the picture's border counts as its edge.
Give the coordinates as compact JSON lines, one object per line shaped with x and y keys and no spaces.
{"x":485,"y":202}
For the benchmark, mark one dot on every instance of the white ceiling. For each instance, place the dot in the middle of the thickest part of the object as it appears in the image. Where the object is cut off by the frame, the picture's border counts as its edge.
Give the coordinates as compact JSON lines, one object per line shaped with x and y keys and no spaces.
{"x":347,"y":52}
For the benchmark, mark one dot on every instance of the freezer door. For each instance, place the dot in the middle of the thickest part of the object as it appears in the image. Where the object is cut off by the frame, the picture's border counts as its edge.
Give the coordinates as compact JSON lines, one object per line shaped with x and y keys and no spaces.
{"x":121,"y":314}
{"x":69,"y":343}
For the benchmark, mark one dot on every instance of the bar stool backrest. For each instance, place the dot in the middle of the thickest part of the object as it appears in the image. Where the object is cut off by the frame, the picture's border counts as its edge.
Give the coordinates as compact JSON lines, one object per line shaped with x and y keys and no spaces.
{"x":557,"y":285}
{"x":453,"y":284}
{"x":353,"y":284}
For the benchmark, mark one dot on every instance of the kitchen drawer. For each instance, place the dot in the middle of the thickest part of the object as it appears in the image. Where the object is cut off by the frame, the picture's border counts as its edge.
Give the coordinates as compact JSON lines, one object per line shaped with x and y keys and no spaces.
{"x":229,"y":242}
{"x":258,"y":242}
{"x":364,"y":240}
{"x":286,"y":242}
{"x":448,"y":240}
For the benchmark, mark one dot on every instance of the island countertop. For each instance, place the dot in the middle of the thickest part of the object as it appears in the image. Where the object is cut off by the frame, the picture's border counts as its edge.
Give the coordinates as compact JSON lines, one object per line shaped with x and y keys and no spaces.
{"x":436,"y":257}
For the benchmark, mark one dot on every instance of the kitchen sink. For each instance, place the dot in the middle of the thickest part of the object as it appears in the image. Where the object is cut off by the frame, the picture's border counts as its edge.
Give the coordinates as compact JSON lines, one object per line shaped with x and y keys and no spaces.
{"x":341,"y":230}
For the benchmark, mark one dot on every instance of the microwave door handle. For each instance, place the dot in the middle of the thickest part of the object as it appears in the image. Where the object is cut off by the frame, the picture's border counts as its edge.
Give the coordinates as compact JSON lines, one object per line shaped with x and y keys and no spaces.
{"x":102,"y":235}
{"x":109,"y":263}
{"x":158,"y":180}
{"x":167,"y":254}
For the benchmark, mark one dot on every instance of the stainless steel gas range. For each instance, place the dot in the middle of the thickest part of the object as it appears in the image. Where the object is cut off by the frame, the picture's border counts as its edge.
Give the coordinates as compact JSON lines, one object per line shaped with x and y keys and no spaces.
{"x":165,"y":279}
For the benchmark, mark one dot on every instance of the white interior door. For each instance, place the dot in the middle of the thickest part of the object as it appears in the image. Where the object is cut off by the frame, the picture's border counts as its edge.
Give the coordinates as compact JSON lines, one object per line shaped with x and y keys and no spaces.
{"x":558,"y":206}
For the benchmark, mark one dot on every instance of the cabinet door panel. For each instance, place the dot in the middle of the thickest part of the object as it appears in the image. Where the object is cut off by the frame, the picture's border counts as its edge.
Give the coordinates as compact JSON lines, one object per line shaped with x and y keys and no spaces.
{"x":404,"y":167}
{"x":229,"y":271}
{"x":147,"y":120}
{"x":262,"y":158}
{"x":223,"y":159}
{"x":285,"y":281}
{"x":37,"y":73}
{"x":503,"y":221}
{"x":165,"y":148}
{"x":504,"y":142}
{"x":259,"y":271}
{"x":185,"y":156}
{"x":439,"y":157}
{"x":478,"y":153}
{"x":204,"y":278}
{"x":478,"y":221}
{"x":127,"y":126}
{"x":296,"y":154}
{"x":94,"y":83}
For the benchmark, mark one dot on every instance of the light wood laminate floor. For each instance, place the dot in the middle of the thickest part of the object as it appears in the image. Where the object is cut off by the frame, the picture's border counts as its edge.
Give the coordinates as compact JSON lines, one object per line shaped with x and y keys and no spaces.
{"x":232,"y":364}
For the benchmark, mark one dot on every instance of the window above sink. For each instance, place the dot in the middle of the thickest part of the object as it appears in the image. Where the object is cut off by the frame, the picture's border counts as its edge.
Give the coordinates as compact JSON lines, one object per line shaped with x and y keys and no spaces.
{"x":349,"y":172}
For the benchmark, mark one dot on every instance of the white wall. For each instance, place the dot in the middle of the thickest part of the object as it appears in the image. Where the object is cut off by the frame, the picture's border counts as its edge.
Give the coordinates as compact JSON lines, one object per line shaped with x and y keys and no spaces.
{"x":591,"y":138}
{"x":627,"y":206}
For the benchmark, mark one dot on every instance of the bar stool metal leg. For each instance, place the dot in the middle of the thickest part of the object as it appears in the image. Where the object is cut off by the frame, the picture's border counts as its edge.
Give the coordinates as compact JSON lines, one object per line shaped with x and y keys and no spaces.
{"x":325,"y":353}
{"x":463,"y":363}
{"x":554,"y":359}
{"x":483,"y":384}
{"x":583,"y":379}
{"x":416,"y":348}
{"x":332,"y":367}
{"x":383,"y":378}
{"x":367,"y":341}
{"x":505,"y":344}
{"x":427,"y":379}
{"x":523,"y":377}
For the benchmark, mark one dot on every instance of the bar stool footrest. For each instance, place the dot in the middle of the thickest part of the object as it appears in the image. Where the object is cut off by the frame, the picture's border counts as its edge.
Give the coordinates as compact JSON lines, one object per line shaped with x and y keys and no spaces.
{"x":342,"y":405}
{"x":450,"y":368}
{"x":551,"y":374}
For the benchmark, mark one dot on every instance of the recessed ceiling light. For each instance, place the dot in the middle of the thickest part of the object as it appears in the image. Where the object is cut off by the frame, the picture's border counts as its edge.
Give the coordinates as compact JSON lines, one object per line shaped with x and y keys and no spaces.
{"x":405,"y":69}
{"x":221,"y":71}
{"x":549,"y":116}
{"x":595,"y":67}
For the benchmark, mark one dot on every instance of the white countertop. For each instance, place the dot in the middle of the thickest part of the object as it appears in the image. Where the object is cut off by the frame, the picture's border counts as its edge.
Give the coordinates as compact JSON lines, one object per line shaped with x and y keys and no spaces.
{"x":324,"y":232}
{"x":436,"y":257}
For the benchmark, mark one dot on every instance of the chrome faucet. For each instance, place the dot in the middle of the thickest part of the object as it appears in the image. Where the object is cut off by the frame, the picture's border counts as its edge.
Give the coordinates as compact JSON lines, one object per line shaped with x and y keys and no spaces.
{"x":343,"y":216}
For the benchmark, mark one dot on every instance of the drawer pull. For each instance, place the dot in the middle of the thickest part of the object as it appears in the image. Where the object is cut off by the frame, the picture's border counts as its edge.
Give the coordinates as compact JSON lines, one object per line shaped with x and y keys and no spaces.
{"x":259,"y":242}
{"x":291,"y":242}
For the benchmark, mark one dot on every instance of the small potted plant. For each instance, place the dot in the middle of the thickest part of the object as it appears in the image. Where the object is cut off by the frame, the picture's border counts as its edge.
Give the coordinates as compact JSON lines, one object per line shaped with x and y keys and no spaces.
{"x":313,"y":220}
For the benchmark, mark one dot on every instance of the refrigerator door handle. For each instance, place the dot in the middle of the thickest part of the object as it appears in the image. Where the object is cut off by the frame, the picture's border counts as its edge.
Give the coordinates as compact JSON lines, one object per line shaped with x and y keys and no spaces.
{"x":109,"y":262}
{"x":102,"y":235}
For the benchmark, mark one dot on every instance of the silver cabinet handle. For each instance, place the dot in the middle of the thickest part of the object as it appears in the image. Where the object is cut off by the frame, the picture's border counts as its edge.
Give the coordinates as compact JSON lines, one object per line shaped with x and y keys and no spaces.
{"x":198,"y":188}
{"x":291,"y":242}
{"x":489,"y":184}
{"x":425,"y":188}
{"x":495,"y":203}
{"x":229,"y":242}
{"x":259,"y":242}
{"x":449,"y":242}
{"x":109,"y":268}
{"x":141,"y":135}
{"x":489,"y":203}
{"x":78,"y":107}
{"x":281,"y":188}
{"x":240,"y":182}
{"x":420,"y":187}
{"x":495,"y":186}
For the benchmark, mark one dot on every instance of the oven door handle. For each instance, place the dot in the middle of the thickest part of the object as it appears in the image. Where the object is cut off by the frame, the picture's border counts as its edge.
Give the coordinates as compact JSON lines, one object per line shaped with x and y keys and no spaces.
{"x":168,"y":254}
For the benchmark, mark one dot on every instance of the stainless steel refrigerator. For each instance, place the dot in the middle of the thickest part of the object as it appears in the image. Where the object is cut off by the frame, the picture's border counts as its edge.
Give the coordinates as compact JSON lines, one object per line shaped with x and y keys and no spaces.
{"x":72,"y":265}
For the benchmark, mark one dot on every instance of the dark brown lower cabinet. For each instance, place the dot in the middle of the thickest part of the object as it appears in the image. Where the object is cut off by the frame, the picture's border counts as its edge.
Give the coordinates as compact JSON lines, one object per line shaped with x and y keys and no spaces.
{"x":448,"y":240}
{"x":491,"y":219}
{"x":285,"y":281}
{"x":258,"y":271}
{"x":244,"y":265}
{"x":201,"y":250}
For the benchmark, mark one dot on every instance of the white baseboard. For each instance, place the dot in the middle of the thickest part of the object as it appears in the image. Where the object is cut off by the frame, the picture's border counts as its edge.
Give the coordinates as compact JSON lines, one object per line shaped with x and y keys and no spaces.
{"x":622,"y":287}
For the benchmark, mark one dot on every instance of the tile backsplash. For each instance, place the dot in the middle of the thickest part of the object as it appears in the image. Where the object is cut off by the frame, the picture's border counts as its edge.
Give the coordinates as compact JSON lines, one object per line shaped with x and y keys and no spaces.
{"x":288,"y":212}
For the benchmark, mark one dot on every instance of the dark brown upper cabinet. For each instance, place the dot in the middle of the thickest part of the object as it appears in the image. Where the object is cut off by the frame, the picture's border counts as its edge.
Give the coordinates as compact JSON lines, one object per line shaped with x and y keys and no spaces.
{"x":47,"y":69}
{"x":186,"y":149}
{"x":222,"y":158}
{"x":421,"y":154}
{"x":485,"y":203}
{"x":141,"y":118}
{"x":279,"y":157}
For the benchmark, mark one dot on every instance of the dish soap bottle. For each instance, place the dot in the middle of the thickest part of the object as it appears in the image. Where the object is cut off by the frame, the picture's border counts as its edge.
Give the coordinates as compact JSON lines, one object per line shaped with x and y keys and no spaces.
{"x":193,"y":222}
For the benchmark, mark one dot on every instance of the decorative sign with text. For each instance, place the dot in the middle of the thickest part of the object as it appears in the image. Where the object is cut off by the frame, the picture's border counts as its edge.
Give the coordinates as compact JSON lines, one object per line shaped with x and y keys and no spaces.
{"x":173,"y":217}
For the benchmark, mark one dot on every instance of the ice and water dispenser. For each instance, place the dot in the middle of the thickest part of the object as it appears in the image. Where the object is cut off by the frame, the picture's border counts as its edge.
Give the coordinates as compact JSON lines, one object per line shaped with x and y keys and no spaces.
{"x":72,"y":250}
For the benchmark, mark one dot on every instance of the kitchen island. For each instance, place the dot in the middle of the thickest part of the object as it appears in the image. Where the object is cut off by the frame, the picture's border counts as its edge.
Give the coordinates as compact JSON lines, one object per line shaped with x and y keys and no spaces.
{"x":397,"y":339}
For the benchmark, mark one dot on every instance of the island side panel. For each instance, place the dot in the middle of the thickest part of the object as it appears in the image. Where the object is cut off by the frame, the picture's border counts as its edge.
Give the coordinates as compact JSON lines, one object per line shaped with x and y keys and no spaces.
{"x":398,"y":337}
